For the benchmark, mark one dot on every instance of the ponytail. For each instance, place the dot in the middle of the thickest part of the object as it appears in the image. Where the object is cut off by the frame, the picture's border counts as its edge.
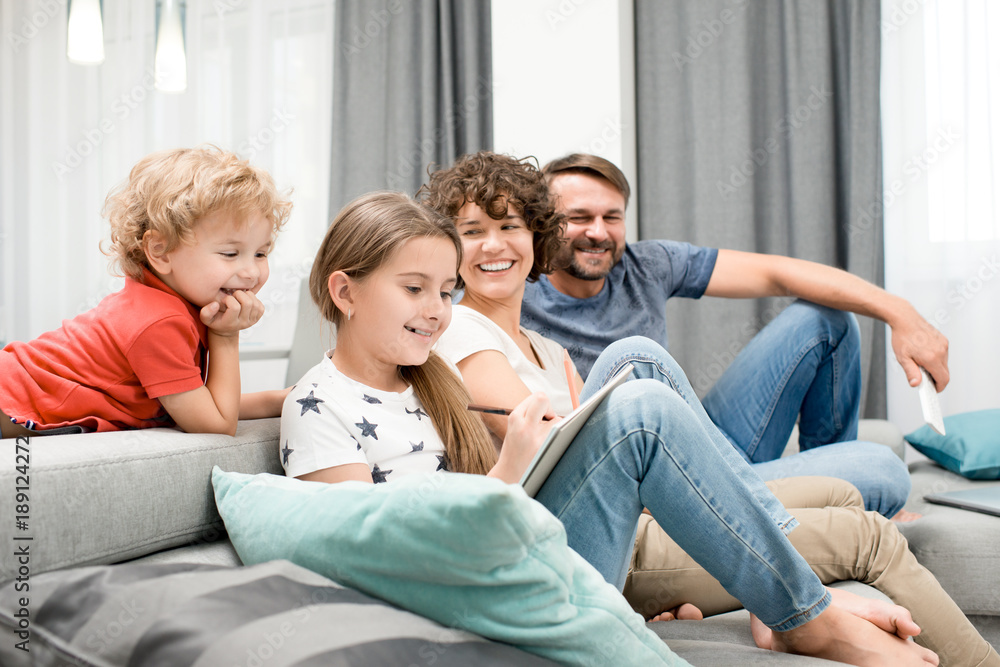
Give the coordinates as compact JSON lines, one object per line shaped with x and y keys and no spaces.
{"x":468,"y":445}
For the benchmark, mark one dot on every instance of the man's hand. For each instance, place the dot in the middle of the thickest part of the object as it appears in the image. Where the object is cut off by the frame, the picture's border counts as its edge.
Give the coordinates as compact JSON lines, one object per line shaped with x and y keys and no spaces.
{"x":916,"y":343}
{"x":239,"y":311}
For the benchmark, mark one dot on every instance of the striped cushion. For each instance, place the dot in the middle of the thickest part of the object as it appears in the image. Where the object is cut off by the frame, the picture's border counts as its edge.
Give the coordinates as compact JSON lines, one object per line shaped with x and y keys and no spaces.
{"x":268,"y":615}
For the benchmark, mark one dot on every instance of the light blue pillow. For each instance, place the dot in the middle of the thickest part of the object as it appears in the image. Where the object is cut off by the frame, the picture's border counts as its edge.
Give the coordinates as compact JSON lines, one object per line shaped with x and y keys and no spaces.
{"x":466,"y":551}
{"x":971,"y":447}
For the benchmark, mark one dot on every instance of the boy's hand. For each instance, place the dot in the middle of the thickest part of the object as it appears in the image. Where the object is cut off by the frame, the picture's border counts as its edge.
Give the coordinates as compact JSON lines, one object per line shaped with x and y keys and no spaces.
{"x":240,"y":310}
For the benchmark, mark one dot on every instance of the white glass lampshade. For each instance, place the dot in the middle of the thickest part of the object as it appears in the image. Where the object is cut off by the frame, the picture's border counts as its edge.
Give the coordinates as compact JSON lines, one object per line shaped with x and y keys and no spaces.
{"x":85,"y":33}
{"x":170,"y":61}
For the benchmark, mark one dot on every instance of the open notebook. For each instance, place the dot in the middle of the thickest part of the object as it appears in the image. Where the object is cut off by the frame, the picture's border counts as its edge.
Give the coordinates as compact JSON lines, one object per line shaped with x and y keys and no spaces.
{"x":562,"y":435}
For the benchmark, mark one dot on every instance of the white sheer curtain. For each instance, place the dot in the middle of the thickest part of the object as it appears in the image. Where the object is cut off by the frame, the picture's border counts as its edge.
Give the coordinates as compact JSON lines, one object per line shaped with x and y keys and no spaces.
{"x":259,"y":82}
{"x":941,"y":132}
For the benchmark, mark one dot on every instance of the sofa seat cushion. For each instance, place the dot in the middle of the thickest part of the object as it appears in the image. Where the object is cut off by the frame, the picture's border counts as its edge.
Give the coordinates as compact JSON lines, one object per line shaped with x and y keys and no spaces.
{"x":220,"y":552}
{"x":961,"y":548}
{"x":465,"y":550}
{"x":102,"y":498}
{"x":275,"y":614}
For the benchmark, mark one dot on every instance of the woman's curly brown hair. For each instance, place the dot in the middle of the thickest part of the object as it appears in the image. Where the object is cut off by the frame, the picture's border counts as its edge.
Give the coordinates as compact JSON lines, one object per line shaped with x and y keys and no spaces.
{"x":495,"y":182}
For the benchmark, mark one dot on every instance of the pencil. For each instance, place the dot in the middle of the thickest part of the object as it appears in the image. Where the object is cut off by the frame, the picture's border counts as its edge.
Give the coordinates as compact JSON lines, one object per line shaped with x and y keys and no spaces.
{"x":571,"y":379}
{"x":488,"y":409}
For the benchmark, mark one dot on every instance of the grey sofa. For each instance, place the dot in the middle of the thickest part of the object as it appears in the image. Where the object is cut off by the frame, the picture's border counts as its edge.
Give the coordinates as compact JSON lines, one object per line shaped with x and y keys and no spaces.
{"x":145,"y":497}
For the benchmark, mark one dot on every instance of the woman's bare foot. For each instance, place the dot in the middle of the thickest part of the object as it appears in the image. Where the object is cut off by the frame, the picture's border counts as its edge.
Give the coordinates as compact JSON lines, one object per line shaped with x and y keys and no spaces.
{"x":685,"y":612}
{"x":890,"y":617}
{"x":902,"y":516}
{"x":838,"y":634}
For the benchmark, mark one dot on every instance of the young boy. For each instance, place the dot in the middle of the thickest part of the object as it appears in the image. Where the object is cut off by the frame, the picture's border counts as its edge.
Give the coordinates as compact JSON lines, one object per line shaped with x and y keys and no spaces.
{"x":191,"y":230}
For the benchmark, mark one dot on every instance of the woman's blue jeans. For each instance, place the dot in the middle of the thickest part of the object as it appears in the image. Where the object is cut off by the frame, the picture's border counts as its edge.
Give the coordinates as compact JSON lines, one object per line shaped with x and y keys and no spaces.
{"x":651,"y":444}
{"x":805,"y":366}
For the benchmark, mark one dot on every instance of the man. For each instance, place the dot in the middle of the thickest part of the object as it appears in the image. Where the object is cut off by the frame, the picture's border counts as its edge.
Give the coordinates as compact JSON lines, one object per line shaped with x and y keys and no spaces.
{"x":804,"y":365}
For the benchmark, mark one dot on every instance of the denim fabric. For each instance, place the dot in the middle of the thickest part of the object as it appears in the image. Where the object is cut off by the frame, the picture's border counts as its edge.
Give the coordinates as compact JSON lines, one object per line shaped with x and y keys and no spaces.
{"x":650,"y":445}
{"x":875,"y":470}
{"x":805,"y":365}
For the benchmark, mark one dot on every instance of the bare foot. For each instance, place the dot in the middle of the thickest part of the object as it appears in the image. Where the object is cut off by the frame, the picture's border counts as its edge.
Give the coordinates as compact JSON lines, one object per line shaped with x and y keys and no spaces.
{"x":902,"y":516}
{"x":890,"y":617}
{"x":685,"y":612}
{"x":837,"y":634}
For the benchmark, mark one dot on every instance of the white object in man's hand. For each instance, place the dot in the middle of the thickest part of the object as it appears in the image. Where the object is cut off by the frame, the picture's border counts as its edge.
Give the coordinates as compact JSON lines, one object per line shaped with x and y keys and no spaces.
{"x":929,"y":403}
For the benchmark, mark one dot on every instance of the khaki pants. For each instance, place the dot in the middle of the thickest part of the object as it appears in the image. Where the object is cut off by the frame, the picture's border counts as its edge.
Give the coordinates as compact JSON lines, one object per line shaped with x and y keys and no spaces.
{"x":840,"y":541}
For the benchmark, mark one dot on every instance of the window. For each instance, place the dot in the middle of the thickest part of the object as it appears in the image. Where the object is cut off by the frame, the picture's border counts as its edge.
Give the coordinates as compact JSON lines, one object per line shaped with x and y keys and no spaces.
{"x":260,"y":76}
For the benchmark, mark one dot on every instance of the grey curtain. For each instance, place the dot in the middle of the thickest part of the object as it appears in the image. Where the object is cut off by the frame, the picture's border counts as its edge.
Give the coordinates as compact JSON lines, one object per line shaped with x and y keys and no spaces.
{"x":412,"y":86}
{"x":759,"y":122}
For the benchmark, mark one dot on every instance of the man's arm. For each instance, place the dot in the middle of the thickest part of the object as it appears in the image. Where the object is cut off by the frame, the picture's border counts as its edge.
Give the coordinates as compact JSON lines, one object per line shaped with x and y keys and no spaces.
{"x":915,"y":341}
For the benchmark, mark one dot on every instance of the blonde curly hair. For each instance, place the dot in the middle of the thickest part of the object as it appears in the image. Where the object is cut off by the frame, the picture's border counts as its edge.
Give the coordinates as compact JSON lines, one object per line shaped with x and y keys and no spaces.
{"x":169,"y":191}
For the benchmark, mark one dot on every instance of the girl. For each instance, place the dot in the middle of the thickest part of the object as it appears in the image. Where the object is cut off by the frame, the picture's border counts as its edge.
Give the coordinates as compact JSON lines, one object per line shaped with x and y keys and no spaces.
{"x":382,"y":404}
{"x":510,"y":231}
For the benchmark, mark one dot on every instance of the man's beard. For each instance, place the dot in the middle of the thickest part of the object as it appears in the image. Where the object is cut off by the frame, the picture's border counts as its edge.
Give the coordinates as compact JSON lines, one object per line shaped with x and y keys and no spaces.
{"x":575,"y":268}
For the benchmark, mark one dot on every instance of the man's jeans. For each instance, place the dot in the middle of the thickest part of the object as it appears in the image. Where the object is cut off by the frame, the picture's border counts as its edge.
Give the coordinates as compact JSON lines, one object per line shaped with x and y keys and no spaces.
{"x":805,"y":365}
{"x":651,"y":444}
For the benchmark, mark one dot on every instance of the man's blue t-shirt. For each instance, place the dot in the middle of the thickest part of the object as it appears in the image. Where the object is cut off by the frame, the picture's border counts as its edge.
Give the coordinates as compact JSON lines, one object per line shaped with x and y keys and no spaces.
{"x":631,"y":303}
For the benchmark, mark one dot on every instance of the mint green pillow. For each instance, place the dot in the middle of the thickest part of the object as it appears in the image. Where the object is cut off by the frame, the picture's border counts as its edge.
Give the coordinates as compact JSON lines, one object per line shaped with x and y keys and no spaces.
{"x":971,"y":447}
{"x":466,"y":551}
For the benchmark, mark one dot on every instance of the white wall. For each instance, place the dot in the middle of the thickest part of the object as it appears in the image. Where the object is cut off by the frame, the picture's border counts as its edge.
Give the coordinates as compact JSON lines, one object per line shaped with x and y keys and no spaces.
{"x":563,"y":81}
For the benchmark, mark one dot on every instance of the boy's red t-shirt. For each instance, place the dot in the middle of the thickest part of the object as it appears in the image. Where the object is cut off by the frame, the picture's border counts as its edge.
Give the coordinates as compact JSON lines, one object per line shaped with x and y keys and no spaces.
{"x":104,"y":369}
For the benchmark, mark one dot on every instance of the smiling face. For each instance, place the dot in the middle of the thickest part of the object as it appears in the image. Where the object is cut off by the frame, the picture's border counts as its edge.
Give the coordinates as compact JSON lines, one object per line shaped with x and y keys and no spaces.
{"x":595,"y":229}
{"x":398,"y":312}
{"x":497,"y":255}
{"x":228,"y":254}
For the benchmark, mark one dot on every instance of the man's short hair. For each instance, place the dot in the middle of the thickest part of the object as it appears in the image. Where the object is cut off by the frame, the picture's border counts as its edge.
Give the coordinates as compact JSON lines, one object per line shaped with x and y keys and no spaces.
{"x":592,"y":165}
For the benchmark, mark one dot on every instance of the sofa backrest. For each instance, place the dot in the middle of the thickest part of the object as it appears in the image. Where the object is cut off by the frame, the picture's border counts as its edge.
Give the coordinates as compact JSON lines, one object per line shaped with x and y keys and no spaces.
{"x":102,"y":498}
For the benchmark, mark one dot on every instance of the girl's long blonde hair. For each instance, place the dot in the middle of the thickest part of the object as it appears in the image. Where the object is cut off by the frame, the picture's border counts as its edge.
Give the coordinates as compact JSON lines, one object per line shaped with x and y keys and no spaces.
{"x":362,"y":239}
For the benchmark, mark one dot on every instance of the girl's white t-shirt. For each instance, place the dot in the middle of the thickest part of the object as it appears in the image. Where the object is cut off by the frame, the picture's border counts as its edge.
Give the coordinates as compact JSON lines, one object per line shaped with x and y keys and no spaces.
{"x":328,"y":420}
{"x":471,"y":331}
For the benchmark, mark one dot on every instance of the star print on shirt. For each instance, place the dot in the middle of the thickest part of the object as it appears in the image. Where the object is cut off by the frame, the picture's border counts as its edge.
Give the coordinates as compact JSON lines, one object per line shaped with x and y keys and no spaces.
{"x":417,"y":447}
{"x":308,"y":403}
{"x":285,"y":452}
{"x":378,"y":475}
{"x":371,"y":399}
{"x":356,"y":442}
{"x":367,"y":428}
{"x":442,"y":463}
{"x":418,"y":412}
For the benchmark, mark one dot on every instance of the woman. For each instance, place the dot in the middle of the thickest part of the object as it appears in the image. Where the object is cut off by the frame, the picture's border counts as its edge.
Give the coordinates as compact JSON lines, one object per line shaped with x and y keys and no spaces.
{"x":510,"y":233}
